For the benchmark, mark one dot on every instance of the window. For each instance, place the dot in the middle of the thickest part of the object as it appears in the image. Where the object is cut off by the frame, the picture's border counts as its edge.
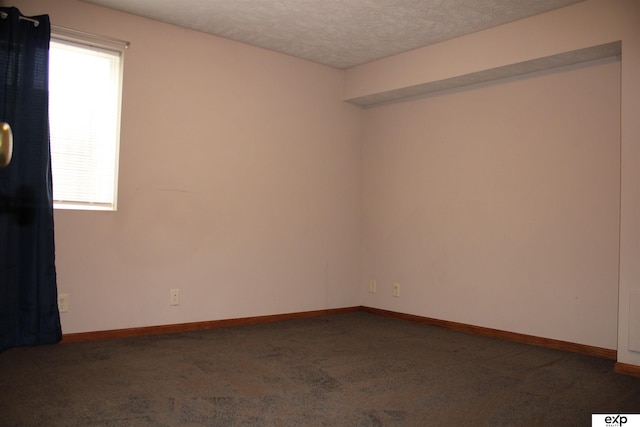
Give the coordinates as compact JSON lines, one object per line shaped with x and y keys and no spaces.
{"x":85,"y":84}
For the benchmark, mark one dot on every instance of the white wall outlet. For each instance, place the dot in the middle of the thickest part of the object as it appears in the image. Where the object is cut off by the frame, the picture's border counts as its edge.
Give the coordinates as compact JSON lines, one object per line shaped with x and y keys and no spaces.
{"x":174,"y":297}
{"x":396,"y":289}
{"x":373,"y":286}
{"x":63,"y":303}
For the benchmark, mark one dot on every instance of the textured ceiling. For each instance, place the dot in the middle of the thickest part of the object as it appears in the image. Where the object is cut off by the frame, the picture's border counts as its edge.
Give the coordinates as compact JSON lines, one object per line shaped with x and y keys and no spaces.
{"x":339,"y":33}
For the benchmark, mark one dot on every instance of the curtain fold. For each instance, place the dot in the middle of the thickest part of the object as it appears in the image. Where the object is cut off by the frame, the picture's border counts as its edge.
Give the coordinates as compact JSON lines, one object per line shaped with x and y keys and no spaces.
{"x":28,"y":290}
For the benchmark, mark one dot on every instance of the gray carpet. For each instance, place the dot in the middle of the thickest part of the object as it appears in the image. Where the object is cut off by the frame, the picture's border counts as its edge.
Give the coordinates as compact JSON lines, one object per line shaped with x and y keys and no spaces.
{"x":354,"y":369}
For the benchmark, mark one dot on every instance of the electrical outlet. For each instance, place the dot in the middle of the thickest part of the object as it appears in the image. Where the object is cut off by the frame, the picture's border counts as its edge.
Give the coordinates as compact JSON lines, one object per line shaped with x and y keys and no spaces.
{"x":63,"y":303}
{"x":174,"y":297}
{"x":373,"y":286}
{"x":396,"y":289}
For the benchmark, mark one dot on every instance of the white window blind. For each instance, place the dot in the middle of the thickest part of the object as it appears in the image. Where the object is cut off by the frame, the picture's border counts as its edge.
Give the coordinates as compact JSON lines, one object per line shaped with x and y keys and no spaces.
{"x":84,"y":116}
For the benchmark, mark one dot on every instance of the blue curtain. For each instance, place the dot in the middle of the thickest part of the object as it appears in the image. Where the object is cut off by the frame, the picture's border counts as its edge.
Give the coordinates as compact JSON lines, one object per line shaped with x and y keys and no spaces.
{"x":28,"y":291}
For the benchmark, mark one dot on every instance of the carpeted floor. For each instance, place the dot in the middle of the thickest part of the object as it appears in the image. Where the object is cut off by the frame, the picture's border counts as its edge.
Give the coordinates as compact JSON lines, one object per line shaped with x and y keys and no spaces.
{"x":354,"y":369}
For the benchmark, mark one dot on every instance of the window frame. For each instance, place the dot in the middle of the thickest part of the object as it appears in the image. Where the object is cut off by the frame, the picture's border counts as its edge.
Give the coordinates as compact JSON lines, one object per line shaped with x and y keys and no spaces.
{"x":90,"y":41}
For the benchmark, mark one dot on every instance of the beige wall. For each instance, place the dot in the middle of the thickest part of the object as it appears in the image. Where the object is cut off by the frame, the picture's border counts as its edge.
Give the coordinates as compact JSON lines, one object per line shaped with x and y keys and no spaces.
{"x":239,"y":184}
{"x":582,"y":26}
{"x":498,"y":205}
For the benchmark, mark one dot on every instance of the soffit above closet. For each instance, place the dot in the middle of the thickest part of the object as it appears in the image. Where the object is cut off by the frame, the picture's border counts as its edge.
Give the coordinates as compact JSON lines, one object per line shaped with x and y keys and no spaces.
{"x":339,"y":33}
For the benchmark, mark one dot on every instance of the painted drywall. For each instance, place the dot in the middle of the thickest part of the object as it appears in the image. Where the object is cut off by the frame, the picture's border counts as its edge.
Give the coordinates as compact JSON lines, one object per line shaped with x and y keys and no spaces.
{"x":498,"y":205}
{"x":239,"y":184}
{"x":581,"y":26}
{"x":572,"y":28}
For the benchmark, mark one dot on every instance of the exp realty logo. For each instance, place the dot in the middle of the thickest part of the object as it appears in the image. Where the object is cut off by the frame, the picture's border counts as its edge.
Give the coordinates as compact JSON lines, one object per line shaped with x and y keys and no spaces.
{"x":615,"y":420}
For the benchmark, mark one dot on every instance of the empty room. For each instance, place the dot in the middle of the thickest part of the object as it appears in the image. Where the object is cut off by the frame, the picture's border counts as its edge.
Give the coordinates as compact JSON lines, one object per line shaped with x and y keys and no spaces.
{"x":306,"y":212}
